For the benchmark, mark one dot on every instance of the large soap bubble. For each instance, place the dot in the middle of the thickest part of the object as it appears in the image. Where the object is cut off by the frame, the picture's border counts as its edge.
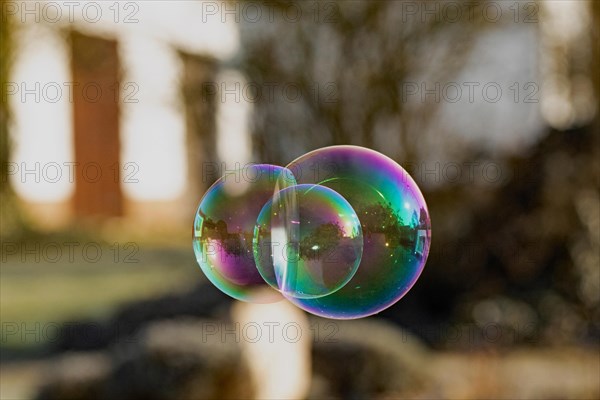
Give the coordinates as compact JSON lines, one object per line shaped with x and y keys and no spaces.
{"x":395,"y":225}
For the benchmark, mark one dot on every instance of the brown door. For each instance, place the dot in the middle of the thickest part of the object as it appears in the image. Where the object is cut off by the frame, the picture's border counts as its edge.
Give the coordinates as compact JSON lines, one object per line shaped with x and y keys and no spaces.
{"x":96,"y":99}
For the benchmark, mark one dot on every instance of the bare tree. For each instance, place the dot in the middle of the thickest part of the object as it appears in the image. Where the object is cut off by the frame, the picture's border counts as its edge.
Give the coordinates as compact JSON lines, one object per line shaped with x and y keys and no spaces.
{"x":350,"y":62}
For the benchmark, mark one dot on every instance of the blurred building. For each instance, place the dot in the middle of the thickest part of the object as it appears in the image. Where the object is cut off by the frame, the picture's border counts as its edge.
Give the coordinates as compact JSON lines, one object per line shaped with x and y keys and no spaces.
{"x":137,"y":107}
{"x":115,"y":110}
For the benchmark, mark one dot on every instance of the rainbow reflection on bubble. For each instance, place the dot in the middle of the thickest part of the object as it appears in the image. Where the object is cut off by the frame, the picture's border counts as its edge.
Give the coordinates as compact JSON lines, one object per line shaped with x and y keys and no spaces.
{"x":395,"y":224}
{"x":342,"y":232}
{"x":307,"y":241}
{"x":224,"y":228}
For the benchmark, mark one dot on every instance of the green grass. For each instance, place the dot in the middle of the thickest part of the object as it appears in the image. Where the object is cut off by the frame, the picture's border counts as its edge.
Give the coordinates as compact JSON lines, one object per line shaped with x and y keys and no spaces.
{"x":36,"y":293}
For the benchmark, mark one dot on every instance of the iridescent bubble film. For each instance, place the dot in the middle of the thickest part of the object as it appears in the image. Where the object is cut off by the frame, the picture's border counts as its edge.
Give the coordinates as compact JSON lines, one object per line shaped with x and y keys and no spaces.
{"x":342,"y":232}
{"x":308,"y":241}
{"x":224,"y":228}
{"x":395,"y":226}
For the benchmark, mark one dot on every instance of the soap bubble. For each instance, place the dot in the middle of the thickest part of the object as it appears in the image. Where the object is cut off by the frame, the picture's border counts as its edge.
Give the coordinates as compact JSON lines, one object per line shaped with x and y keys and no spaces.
{"x":307,"y":241}
{"x":395,"y":224}
{"x":224,"y":228}
{"x":342,"y":232}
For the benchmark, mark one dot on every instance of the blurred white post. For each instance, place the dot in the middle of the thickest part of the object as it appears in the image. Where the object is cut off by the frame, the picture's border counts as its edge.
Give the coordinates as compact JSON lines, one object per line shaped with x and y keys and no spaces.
{"x":276,"y":343}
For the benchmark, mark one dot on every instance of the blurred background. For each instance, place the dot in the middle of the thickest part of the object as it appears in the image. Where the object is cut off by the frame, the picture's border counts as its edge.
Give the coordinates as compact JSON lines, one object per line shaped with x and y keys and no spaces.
{"x":117,"y":116}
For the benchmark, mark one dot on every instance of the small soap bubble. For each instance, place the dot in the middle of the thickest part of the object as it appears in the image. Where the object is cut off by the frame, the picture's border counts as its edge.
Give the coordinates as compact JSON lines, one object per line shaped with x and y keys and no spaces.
{"x":307,"y":241}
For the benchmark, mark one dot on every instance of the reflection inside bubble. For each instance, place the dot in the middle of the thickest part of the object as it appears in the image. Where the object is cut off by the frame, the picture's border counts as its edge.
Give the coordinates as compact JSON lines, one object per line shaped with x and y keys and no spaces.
{"x":308,"y":241}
